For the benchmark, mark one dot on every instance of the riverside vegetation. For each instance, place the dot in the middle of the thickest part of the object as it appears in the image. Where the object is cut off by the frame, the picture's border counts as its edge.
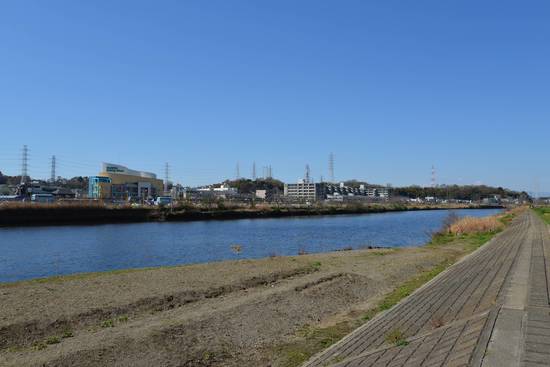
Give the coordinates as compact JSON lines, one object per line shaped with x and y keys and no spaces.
{"x":84,"y":212}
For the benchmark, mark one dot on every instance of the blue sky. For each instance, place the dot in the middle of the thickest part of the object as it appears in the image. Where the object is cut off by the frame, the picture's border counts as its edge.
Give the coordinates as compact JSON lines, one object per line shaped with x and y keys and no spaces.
{"x":391,"y":87}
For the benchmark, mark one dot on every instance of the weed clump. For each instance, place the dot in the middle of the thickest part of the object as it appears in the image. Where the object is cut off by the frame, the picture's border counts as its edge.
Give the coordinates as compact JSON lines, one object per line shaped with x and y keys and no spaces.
{"x":123,"y":319}
{"x":53,"y":340}
{"x":39,"y":346}
{"x":67,"y":334}
{"x":397,"y":337}
{"x":108,"y":323}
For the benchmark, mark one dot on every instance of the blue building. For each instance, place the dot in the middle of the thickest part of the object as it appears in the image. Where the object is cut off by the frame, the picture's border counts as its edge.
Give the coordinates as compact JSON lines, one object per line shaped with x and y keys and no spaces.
{"x":99,"y":187}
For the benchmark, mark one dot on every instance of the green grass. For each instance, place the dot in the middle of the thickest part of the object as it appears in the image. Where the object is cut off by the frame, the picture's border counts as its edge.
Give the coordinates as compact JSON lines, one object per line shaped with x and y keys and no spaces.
{"x":410,"y":286}
{"x":312,"y":340}
{"x":544,"y":213}
{"x":471,"y":241}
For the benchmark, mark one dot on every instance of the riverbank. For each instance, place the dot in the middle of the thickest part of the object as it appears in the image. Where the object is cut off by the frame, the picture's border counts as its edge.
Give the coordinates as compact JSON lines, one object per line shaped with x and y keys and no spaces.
{"x":276,"y":311}
{"x":66,"y":214}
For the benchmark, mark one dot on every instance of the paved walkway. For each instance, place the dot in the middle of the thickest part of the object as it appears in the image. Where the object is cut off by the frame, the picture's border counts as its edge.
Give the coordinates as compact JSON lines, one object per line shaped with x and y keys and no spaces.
{"x":491,"y":309}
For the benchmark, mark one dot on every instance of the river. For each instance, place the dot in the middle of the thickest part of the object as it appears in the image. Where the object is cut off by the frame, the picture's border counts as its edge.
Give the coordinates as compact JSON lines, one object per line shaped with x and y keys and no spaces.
{"x":34,"y":252}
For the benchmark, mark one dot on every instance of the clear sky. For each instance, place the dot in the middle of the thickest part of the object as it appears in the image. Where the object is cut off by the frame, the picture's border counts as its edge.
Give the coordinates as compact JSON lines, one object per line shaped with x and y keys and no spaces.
{"x":391,"y":87}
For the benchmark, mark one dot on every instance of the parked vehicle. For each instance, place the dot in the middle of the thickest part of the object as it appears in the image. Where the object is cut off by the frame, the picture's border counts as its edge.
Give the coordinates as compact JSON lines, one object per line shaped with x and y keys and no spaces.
{"x":163,"y":200}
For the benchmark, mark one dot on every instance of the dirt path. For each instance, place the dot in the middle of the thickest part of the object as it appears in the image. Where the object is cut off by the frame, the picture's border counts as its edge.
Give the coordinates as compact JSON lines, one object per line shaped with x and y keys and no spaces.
{"x":235,"y":313}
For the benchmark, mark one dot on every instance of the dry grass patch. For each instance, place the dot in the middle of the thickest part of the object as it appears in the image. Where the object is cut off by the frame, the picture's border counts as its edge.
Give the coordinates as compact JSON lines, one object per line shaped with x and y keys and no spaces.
{"x":469,"y":225}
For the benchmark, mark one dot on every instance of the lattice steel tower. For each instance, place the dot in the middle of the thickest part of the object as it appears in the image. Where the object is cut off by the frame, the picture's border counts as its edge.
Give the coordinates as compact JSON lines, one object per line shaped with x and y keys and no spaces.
{"x":24,"y":164}
{"x":331,"y":167}
{"x":166,"y":176}
{"x":52,"y":172}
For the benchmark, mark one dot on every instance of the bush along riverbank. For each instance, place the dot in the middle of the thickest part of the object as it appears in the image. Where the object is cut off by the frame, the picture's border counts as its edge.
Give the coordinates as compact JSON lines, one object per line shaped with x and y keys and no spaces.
{"x":94,"y":213}
{"x":276,"y":311}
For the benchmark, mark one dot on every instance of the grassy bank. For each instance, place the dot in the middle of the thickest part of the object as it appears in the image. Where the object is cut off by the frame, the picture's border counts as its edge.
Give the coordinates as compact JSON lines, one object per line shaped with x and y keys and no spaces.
{"x":544,"y":213}
{"x":466,"y":235}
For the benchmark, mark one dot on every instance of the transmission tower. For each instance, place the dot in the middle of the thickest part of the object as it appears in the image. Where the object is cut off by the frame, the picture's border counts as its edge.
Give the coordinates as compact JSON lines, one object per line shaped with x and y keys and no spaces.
{"x":24,"y":164}
{"x":237,"y":172}
{"x":307,"y":175}
{"x":254,"y":171}
{"x":433,"y":177}
{"x":166,"y":176}
{"x":52,"y":173}
{"x":331,"y":167}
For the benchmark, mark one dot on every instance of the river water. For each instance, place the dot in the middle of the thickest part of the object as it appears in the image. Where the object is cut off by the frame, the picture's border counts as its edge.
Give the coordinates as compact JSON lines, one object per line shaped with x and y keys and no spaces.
{"x":35,"y":252}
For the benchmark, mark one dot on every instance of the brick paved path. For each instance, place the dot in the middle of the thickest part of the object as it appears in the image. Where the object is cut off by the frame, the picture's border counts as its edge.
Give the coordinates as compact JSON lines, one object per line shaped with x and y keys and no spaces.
{"x":491,"y":309}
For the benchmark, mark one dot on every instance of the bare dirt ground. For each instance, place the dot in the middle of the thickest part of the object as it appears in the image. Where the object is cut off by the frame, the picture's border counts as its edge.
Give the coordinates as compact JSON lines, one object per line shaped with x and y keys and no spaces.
{"x":234,"y":313}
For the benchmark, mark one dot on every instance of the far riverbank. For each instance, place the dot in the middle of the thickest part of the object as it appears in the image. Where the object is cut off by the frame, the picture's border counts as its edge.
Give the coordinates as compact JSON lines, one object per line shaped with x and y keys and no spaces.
{"x":67,"y":214}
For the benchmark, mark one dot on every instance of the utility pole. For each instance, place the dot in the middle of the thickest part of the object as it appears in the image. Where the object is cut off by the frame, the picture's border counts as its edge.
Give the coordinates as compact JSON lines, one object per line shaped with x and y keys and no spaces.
{"x":433,"y":177}
{"x":52,"y":173}
{"x":254,"y":171}
{"x":237,"y":172}
{"x":24,"y":164}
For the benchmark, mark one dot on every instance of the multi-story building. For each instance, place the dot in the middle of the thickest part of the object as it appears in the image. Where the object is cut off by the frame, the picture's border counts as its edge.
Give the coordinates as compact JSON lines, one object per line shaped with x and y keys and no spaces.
{"x":342,"y":192}
{"x":305,"y":191}
{"x":121,"y":183}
